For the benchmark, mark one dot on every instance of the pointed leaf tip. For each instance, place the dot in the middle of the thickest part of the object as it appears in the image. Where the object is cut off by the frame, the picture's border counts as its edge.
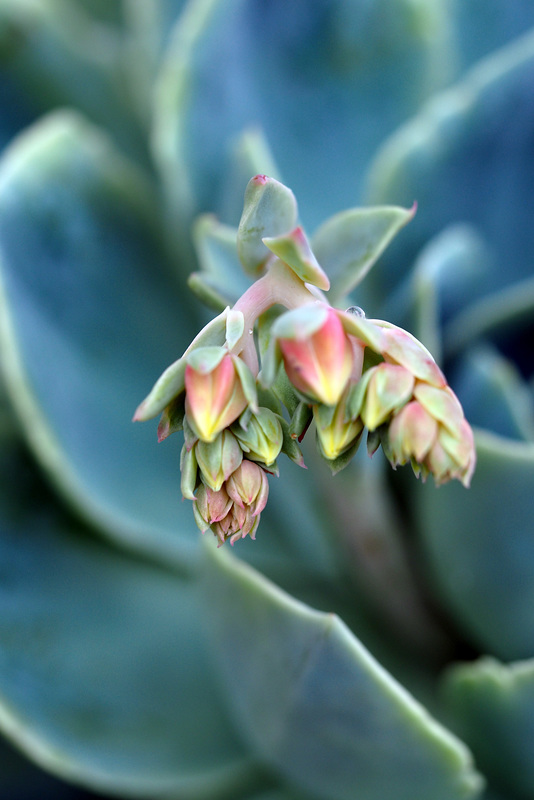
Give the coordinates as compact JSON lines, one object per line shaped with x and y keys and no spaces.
{"x":270,"y":209}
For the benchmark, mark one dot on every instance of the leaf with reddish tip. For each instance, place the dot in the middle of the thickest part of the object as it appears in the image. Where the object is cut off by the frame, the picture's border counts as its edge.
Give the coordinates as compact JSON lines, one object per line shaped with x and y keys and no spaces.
{"x":172,"y":418}
{"x":294,"y":250}
{"x":270,"y":209}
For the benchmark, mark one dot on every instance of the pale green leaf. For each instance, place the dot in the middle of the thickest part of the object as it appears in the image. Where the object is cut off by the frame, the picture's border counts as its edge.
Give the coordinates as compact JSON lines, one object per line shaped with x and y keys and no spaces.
{"x":317,"y":706}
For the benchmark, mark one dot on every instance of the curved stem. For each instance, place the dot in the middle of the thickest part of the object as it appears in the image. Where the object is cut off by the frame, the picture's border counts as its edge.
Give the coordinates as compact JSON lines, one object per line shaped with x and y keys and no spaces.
{"x":280,"y":285}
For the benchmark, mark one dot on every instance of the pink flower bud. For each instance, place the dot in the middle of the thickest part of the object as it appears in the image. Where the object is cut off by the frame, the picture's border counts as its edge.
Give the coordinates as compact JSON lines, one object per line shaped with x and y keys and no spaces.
{"x":445,"y":448}
{"x":248,"y":487}
{"x":237,"y":524}
{"x":318,"y":362}
{"x":210,"y":507}
{"x":214,"y":398}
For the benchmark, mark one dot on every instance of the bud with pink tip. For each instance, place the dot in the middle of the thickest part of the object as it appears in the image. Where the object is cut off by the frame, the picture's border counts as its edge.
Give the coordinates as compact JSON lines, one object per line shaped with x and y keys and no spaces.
{"x":214,"y":392}
{"x":248,"y":487}
{"x":317,"y":353}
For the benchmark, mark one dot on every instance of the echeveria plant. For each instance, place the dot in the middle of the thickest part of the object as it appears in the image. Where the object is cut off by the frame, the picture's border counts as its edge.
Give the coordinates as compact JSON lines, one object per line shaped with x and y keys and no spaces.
{"x":376,"y":640}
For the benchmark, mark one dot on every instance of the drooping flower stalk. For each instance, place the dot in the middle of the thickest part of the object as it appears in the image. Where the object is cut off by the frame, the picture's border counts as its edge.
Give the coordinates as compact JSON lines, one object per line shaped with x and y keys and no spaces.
{"x":335,"y":367}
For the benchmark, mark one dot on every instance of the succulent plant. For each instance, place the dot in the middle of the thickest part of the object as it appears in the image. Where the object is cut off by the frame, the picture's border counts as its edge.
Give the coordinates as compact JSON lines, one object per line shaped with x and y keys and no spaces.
{"x":375,"y":639}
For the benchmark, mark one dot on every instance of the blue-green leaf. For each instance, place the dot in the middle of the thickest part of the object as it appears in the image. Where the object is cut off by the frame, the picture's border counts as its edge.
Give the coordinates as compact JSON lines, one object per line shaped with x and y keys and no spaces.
{"x":324,"y":80}
{"x":479,"y":546}
{"x":105,"y":678}
{"x":317,"y":706}
{"x":91,"y":318}
{"x":221,"y":272}
{"x":492,"y":706}
{"x":56,"y":54}
{"x":466,"y":157}
{"x":494,"y":395}
{"x":348,"y":244}
{"x":482,"y":26}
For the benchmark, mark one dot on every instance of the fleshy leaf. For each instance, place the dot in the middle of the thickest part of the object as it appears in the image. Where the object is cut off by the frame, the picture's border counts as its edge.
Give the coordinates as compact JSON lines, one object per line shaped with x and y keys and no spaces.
{"x":294,"y":250}
{"x":492,"y":707}
{"x":348,"y":244}
{"x":57,"y":55}
{"x":270,"y":209}
{"x":463,"y":138}
{"x":221,"y":273}
{"x":484,"y":25}
{"x":250,"y":155}
{"x":324,"y":713}
{"x":363,"y":67}
{"x":479,"y":546}
{"x":105,"y":676}
{"x":494,"y":395}
{"x":84,"y":279}
{"x":445,"y":271}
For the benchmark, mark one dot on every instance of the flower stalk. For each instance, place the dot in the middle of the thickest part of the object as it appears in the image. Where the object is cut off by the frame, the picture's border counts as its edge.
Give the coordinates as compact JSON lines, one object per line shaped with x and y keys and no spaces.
{"x":315,"y":362}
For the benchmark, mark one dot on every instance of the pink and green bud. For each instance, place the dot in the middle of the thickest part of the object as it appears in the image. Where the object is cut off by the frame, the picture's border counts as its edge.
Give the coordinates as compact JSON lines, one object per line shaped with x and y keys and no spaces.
{"x":210,"y":507}
{"x":214,"y":392}
{"x":218,"y":459}
{"x":248,"y":487}
{"x":443,"y":447}
{"x":237,"y":524}
{"x":233,"y":512}
{"x":317,"y":353}
{"x":262,"y":438}
{"x":336,"y":431}
{"x":382,"y":390}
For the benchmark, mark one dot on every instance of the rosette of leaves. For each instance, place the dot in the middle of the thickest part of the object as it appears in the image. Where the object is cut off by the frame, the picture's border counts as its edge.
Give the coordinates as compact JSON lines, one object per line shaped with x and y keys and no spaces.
{"x":308,"y":664}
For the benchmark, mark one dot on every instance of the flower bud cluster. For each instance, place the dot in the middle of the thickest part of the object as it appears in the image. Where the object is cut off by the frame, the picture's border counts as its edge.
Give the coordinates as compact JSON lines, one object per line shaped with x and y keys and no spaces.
{"x":345,"y":373}
{"x":230,"y":445}
{"x":406,"y":401}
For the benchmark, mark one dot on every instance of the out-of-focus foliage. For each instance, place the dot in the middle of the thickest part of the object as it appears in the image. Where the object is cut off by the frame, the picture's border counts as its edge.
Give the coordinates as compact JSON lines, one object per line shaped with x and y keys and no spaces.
{"x":319,"y":661}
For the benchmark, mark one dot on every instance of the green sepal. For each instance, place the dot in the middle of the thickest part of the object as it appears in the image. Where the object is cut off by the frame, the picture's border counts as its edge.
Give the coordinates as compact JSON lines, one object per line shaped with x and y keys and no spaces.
{"x":368,"y":332}
{"x":357,"y":395}
{"x":374,"y":441}
{"x":285,"y":391}
{"x":268,"y":399}
{"x":270,"y":365}
{"x":190,"y":435}
{"x":337,"y":464}
{"x":172,"y":417}
{"x":235,"y":326}
{"x":300,"y":420}
{"x":349,"y":243}
{"x":294,"y":250}
{"x":270,"y":209}
{"x":172,"y":382}
{"x":248,"y":382}
{"x":189,"y":472}
{"x":260,"y":436}
{"x":218,"y":459}
{"x":206,"y":289}
{"x":205,"y":359}
{"x":290,"y":447}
